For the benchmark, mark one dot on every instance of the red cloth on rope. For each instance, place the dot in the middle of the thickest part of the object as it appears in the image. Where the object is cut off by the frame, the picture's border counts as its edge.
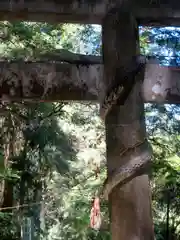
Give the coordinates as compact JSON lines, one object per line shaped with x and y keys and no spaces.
{"x":95,"y":216}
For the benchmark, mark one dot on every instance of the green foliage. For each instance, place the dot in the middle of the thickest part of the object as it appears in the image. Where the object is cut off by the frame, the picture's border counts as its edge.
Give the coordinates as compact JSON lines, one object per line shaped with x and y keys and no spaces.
{"x":8,"y":226}
{"x":72,"y":194}
{"x":41,"y":148}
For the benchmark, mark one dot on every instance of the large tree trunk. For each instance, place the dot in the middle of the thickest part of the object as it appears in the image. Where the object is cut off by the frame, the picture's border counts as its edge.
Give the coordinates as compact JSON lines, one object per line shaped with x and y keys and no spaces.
{"x":130,"y":204}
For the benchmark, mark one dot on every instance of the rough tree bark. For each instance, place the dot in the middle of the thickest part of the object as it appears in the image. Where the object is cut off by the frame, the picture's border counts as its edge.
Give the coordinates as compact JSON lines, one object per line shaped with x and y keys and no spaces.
{"x":129,"y":195}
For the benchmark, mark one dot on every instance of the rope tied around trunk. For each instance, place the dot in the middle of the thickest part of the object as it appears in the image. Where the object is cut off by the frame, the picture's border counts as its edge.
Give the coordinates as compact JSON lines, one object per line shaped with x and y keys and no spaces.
{"x":139,"y":161}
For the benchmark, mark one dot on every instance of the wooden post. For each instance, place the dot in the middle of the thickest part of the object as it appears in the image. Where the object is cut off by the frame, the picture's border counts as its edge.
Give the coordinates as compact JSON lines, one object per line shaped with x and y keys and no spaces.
{"x":130,"y":204}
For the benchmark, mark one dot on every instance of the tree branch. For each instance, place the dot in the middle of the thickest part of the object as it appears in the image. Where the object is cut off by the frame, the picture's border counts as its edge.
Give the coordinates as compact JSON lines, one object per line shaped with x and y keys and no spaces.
{"x":63,"y":55}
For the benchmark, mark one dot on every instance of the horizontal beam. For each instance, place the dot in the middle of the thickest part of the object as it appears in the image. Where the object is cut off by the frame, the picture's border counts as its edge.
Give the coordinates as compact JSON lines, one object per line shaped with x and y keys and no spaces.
{"x":148,"y":12}
{"x":161,"y":84}
{"x":49,"y":81}
{"x":157,"y":12}
{"x":73,"y":11}
{"x":62,"y":81}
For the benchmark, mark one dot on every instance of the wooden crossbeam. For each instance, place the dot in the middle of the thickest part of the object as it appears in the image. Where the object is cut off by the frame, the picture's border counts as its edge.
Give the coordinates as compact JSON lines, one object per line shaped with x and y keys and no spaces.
{"x":63,"y":81}
{"x":49,"y":81}
{"x":148,"y":12}
{"x":157,"y":12}
{"x":74,"y":11}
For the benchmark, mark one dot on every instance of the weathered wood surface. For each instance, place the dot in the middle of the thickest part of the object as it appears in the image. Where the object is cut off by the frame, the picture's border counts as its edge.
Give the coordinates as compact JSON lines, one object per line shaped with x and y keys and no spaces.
{"x":161,"y":84}
{"x":157,"y":12}
{"x":49,"y":81}
{"x":128,"y":154}
{"x":63,"y":81}
{"x":148,"y":12}
{"x":74,"y":11}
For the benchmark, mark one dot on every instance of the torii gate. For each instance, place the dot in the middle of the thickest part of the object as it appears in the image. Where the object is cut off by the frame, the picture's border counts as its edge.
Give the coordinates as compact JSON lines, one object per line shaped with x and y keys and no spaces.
{"x":91,"y":78}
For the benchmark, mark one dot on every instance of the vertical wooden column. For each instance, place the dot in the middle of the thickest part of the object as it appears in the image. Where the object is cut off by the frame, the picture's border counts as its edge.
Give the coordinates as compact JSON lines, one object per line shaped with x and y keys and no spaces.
{"x":130,"y":204}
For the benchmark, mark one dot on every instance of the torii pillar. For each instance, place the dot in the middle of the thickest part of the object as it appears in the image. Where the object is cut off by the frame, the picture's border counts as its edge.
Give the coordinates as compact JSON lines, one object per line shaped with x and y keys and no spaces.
{"x":127,"y":146}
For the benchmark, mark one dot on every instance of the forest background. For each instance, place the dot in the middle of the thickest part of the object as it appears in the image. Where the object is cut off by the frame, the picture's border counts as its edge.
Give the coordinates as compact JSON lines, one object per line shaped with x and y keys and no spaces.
{"x":49,"y":152}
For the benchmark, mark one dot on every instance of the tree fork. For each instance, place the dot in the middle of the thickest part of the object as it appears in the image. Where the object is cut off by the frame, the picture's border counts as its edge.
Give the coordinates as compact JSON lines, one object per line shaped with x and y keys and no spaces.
{"x":130,"y":204}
